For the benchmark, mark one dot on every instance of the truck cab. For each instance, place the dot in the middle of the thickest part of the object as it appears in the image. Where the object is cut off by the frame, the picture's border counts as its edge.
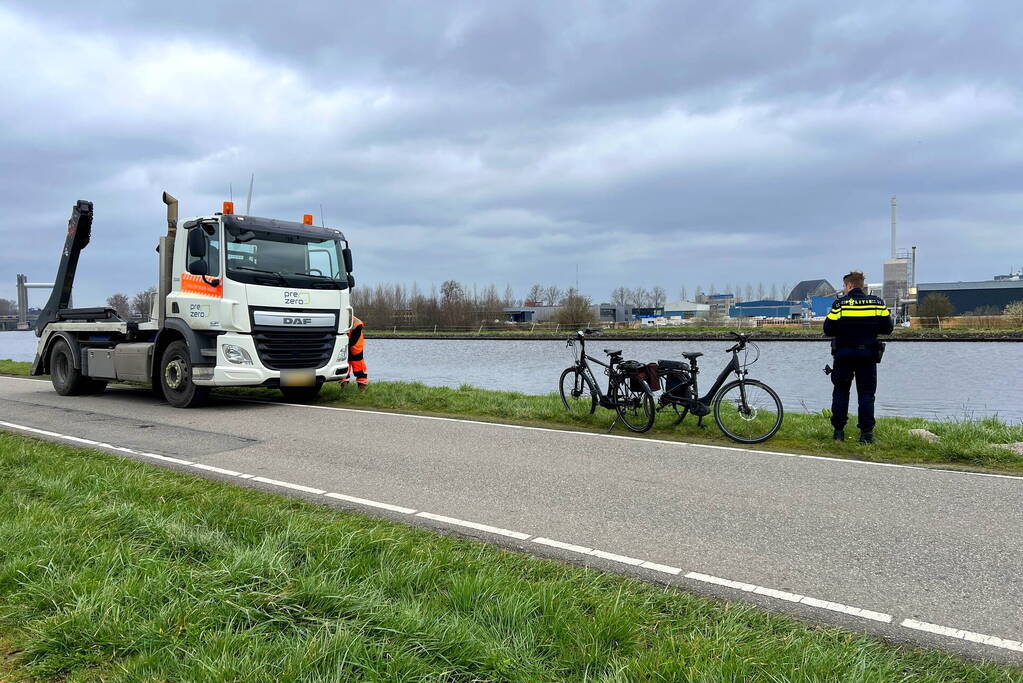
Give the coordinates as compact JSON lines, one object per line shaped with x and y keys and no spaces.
{"x":243,"y":301}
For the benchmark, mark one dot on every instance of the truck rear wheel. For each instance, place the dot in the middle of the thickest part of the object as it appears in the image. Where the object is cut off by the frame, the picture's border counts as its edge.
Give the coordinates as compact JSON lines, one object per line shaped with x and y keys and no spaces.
{"x":176,"y":378}
{"x":66,"y":378}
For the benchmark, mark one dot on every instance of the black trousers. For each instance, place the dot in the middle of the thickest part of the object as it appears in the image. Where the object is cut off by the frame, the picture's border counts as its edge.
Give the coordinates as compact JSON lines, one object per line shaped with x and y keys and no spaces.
{"x":864,"y":371}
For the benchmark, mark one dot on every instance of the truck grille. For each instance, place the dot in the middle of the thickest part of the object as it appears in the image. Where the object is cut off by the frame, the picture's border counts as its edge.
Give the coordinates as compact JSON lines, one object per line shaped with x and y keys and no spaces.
{"x":294,"y":349}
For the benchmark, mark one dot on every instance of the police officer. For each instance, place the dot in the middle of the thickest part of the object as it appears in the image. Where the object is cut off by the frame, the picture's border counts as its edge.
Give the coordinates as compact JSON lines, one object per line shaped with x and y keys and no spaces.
{"x":854,"y":322}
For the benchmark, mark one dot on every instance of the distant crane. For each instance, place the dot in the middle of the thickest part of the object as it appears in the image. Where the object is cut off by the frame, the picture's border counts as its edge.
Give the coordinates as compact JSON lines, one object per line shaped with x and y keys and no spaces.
{"x":23,"y":286}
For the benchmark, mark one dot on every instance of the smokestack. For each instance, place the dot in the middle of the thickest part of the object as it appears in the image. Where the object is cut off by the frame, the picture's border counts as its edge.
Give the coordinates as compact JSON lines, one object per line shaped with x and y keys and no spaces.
{"x":893,"y":225}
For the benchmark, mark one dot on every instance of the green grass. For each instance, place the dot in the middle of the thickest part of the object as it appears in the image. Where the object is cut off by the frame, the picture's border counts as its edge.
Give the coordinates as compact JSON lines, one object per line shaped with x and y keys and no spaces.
{"x":965,"y":444}
{"x":116,"y":570}
{"x":13,"y":367}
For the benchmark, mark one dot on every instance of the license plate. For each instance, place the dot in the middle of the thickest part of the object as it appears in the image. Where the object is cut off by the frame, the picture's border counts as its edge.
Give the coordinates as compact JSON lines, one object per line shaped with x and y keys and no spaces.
{"x":298,"y":378}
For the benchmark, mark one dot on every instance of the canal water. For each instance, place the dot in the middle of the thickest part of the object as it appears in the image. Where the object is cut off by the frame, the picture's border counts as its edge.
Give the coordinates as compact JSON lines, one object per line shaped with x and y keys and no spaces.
{"x":926,"y":379}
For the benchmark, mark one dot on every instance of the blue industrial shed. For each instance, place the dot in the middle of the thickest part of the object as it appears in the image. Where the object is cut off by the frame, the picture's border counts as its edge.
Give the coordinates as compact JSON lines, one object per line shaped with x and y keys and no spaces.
{"x":768,"y":309}
{"x":821,"y":305}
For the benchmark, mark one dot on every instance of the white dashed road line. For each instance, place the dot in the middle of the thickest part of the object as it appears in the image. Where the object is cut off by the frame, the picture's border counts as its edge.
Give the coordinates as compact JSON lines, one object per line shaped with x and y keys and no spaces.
{"x":816,"y":603}
{"x":993,"y":641}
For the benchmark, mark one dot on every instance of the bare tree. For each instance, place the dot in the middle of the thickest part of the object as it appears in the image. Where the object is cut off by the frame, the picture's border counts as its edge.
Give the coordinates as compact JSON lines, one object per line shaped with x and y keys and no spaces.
{"x":575,"y":309}
{"x":509,"y":296}
{"x":749,"y":291}
{"x":119,"y":302}
{"x":682,"y":293}
{"x":8,"y":307}
{"x":713,"y":289}
{"x":660,"y":296}
{"x":774,"y":291}
{"x":760,"y":290}
{"x":553,"y":295}
{"x":784,"y":288}
{"x":620,"y":296}
{"x":142,"y":303}
{"x":535,"y":295}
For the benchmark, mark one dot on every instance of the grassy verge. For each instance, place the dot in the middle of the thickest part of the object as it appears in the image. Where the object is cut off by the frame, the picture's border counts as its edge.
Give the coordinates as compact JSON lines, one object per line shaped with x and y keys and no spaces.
{"x":964,"y":444}
{"x":111,"y":569}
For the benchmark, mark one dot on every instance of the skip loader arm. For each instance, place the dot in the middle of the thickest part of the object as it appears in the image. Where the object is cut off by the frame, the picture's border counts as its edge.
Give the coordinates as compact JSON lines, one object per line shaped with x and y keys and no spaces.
{"x":79,"y":230}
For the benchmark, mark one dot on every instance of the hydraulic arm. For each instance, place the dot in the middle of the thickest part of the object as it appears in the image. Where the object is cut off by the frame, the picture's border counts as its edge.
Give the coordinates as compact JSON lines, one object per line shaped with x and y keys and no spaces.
{"x":79,"y":230}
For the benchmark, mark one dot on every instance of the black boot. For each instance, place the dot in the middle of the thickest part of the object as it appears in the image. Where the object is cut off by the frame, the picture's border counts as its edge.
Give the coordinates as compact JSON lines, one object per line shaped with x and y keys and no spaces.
{"x":839,"y":435}
{"x":866,"y":437}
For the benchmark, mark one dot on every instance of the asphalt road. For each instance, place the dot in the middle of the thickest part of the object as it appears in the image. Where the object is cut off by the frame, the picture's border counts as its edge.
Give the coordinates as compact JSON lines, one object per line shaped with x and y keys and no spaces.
{"x":917,"y":556}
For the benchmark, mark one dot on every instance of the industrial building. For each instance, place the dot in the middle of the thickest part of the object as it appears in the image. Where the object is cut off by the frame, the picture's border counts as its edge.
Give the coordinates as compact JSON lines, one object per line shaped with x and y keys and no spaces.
{"x":969,"y":296}
{"x":770,"y":309}
{"x":684,"y":310}
{"x":808,"y":289}
{"x":530,"y":314}
{"x":719,"y":304}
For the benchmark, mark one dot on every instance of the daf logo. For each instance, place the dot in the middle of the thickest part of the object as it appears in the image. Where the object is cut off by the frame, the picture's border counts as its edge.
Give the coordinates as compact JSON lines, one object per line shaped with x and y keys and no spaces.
{"x":298,"y":321}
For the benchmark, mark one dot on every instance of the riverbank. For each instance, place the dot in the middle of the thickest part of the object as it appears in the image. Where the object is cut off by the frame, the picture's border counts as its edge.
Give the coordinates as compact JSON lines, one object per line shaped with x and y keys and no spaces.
{"x":116,"y":569}
{"x":962,"y":444}
{"x":699,"y":334}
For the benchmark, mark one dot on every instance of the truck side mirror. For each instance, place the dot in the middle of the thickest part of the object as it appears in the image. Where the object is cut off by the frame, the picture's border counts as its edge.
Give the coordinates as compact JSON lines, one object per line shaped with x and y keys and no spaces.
{"x":196,"y":245}
{"x":351,"y":281}
{"x":198,"y":268}
{"x":346,"y":253}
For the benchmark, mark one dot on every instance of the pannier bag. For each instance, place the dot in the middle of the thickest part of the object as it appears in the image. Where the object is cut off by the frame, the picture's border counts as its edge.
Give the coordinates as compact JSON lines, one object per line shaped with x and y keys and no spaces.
{"x":638,"y":373}
{"x":678,"y":378}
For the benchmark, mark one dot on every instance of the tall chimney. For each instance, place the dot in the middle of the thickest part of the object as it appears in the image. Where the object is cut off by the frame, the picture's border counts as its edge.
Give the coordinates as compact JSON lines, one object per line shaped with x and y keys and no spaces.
{"x":893,"y":225}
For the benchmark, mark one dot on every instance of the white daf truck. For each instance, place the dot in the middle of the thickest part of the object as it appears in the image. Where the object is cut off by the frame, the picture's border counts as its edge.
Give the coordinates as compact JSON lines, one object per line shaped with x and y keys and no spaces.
{"x":242,"y":301}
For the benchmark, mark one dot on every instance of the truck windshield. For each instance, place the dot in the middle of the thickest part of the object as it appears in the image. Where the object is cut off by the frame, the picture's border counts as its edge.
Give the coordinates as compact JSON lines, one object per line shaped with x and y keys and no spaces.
{"x":276,"y":259}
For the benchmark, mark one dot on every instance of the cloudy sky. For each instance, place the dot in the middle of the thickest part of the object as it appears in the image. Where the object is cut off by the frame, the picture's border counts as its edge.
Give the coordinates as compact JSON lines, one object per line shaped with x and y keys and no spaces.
{"x":674,"y":143}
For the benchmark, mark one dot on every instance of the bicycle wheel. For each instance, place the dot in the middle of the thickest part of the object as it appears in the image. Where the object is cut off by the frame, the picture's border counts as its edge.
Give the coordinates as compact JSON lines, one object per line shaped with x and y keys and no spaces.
{"x":748,"y":411}
{"x":635,"y":408}
{"x":578,"y":394}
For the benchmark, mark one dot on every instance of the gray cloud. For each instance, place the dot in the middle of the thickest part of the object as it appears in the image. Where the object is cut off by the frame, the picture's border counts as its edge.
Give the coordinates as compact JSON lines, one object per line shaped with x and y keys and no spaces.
{"x":651,"y":143}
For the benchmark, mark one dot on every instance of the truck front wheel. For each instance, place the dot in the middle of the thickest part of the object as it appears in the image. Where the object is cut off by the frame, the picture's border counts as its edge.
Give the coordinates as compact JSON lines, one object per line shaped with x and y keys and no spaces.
{"x":66,"y":378}
{"x":176,"y":378}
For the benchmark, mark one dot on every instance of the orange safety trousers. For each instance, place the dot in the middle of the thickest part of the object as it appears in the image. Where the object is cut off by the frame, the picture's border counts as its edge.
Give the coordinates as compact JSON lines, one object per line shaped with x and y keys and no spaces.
{"x":356,"y":356}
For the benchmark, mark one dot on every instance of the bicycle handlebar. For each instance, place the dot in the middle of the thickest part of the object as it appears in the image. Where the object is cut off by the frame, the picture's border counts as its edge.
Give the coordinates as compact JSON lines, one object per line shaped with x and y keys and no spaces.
{"x":743,"y":340}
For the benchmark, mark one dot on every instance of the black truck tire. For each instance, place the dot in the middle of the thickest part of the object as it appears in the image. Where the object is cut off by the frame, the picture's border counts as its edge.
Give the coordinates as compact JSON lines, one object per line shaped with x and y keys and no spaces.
{"x":66,"y":378}
{"x":176,"y":378}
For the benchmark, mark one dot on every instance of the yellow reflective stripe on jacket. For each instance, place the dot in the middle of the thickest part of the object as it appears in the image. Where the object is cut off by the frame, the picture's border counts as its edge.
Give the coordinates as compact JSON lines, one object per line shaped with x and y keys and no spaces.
{"x":864,"y":310}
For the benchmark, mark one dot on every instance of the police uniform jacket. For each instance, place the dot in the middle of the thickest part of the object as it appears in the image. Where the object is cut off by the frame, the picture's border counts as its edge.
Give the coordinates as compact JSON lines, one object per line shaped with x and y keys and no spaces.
{"x":854,"y":322}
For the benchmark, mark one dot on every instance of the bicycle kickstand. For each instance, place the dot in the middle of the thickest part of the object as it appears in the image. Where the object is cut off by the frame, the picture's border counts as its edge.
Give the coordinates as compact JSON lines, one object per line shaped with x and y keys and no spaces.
{"x":613,"y":423}
{"x":699,"y":423}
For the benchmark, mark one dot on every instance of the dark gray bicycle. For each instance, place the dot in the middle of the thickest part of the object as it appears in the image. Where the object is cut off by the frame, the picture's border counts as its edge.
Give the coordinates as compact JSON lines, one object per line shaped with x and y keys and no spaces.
{"x":629,"y":390}
{"x":746,"y":410}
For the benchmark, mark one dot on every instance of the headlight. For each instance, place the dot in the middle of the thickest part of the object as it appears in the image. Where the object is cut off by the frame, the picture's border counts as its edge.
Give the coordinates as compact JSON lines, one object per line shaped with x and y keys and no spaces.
{"x":236,"y":354}
{"x":342,"y":354}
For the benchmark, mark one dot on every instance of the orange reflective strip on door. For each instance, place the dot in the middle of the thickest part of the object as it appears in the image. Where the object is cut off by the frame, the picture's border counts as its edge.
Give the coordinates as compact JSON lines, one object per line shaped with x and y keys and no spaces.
{"x":193,"y":284}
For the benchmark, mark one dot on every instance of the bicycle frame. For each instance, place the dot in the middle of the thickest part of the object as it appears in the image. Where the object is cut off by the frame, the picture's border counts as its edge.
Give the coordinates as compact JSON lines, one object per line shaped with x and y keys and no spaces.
{"x":733,"y":366}
{"x":584,"y":366}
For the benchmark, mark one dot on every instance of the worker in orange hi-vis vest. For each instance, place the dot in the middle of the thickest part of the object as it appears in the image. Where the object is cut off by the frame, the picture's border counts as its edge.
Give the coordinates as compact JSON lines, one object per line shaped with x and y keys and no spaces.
{"x":356,"y":357}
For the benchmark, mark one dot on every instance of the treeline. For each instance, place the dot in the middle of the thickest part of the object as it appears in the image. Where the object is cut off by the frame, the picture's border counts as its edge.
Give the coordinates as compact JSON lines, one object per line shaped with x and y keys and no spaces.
{"x":137,"y":307}
{"x":640,"y":297}
{"x":455,"y":305}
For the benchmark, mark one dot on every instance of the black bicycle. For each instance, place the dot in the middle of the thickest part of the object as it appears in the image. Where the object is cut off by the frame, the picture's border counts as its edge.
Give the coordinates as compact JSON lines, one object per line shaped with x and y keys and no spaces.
{"x":629,"y":392}
{"x":746,"y":410}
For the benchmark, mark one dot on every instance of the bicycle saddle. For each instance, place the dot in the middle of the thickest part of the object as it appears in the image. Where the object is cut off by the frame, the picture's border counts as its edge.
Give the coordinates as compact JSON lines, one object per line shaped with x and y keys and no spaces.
{"x":691,"y":354}
{"x":613,"y":353}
